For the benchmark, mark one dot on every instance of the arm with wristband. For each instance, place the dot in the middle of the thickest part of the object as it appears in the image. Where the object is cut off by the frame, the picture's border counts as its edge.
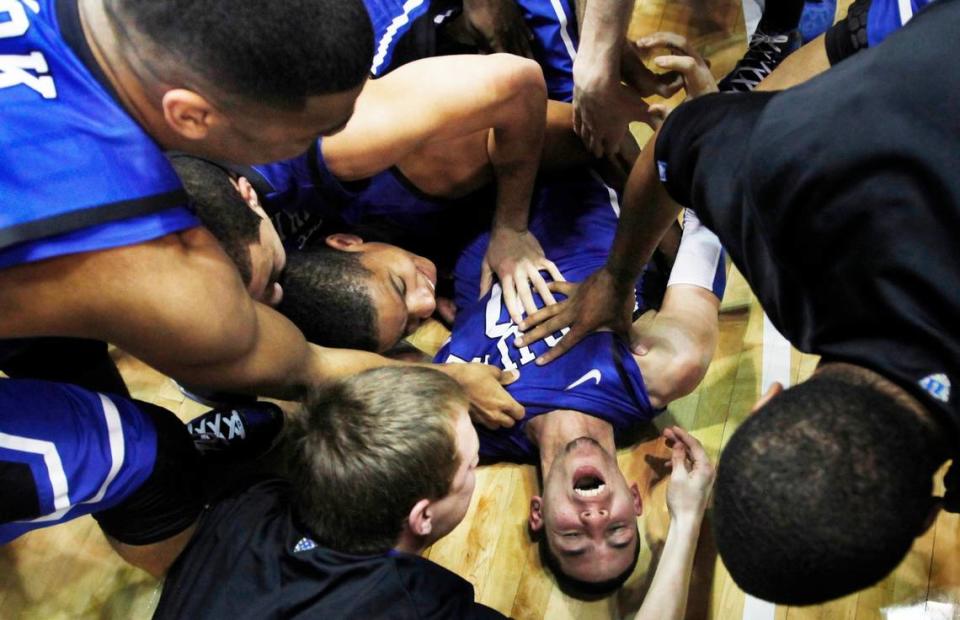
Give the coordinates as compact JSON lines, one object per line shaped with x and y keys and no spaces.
{"x":674,"y":346}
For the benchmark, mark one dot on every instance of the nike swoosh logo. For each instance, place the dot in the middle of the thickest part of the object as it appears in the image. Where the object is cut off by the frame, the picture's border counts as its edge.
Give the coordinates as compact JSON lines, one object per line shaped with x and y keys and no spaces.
{"x":593,"y":374}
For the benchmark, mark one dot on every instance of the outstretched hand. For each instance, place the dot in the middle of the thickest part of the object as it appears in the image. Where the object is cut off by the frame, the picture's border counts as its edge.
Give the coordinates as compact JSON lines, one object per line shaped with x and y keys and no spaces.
{"x":684,"y":60}
{"x":517,"y":259}
{"x":490,"y":404}
{"x":604,"y":104}
{"x":692,"y":476}
{"x":598,"y":302}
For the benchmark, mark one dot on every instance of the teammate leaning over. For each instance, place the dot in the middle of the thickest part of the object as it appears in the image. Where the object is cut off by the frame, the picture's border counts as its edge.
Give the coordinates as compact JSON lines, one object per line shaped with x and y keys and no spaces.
{"x":96,"y":239}
{"x":382,"y":465}
{"x":847,"y":240}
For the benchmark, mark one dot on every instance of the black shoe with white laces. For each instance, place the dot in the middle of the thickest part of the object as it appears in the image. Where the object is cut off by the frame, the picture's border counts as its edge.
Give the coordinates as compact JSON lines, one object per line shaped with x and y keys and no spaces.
{"x":238,"y":433}
{"x":765,"y":53}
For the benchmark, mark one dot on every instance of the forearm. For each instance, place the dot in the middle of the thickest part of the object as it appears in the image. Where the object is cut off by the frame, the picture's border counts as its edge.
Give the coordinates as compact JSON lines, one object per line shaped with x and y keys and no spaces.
{"x":805,"y":63}
{"x":646,"y":214}
{"x":667,"y":597}
{"x":601,"y":38}
{"x":514,"y":146}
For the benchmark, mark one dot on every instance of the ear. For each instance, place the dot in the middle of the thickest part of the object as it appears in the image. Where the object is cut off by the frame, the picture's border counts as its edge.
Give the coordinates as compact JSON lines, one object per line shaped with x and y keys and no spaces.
{"x":772,"y":392}
{"x":637,"y":501}
{"x":345,"y":242}
{"x":419,"y":520}
{"x":188,"y":114}
{"x":536,"y":514}
{"x":249,"y":195}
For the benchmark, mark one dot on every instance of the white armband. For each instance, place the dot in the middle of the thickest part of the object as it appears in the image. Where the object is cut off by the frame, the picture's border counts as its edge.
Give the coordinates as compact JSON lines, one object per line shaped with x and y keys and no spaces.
{"x":700,"y":257}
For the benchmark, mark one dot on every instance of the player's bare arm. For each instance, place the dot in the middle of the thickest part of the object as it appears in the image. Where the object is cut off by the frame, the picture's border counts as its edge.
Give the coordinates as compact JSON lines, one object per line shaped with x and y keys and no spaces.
{"x":675,"y":345}
{"x":195,"y":322}
{"x":690,"y":484}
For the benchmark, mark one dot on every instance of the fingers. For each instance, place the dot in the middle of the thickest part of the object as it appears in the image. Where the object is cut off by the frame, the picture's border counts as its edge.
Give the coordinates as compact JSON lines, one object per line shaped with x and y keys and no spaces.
{"x":538,"y":317}
{"x":571,"y":338}
{"x":666,"y":39}
{"x":681,"y":64}
{"x":486,"y":278}
{"x":678,"y":458}
{"x":510,"y":300}
{"x":689,"y":444}
{"x":523,"y":291}
{"x":543,"y":290}
{"x":507,"y":377}
{"x":563,"y":287}
{"x":552,"y":270}
{"x":491,"y":420}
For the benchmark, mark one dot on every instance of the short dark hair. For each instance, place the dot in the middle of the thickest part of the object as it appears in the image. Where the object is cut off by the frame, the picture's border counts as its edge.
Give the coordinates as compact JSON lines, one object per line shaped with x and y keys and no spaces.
{"x":218,"y":204}
{"x":579,"y":588}
{"x":325,"y":294}
{"x":276,"y":52}
{"x":367,"y":449}
{"x":822,"y":491}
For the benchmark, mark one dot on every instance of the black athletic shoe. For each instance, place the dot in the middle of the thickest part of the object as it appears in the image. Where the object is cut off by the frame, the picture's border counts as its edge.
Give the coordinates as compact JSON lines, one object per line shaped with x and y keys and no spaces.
{"x":238,"y":433}
{"x":765,"y":53}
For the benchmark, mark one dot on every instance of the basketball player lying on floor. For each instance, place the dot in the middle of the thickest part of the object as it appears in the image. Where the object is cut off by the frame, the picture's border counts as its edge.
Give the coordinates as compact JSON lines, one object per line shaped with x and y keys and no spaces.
{"x":579,"y":405}
{"x":382,"y":466}
{"x":577,"y":215}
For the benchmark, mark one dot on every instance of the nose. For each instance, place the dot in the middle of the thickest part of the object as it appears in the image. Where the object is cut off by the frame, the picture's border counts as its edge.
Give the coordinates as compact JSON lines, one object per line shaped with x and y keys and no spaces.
{"x":594,"y":514}
{"x":424,"y":301}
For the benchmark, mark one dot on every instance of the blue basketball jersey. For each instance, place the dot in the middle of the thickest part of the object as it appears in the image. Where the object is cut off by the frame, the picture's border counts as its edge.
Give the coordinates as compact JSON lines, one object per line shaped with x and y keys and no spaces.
{"x":405,"y":31}
{"x":301,"y":194}
{"x":574,"y":216}
{"x":85,"y":452}
{"x":553,"y":24}
{"x":886,"y":16}
{"x":77,"y":173}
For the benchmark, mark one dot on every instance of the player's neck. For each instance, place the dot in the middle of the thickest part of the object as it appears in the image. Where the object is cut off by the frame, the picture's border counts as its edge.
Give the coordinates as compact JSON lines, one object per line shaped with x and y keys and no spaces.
{"x":553,"y":431}
{"x":106,"y":49}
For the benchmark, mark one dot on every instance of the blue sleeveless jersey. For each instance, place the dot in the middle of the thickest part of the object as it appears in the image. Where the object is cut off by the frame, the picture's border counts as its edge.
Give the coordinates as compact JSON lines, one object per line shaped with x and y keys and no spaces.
{"x":77,"y":173}
{"x":886,"y":16}
{"x":85,"y":452}
{"x":555,"y":42}
{"x":574,"y":216}
{"x":301,"y":194}
{"x":404,"y":30}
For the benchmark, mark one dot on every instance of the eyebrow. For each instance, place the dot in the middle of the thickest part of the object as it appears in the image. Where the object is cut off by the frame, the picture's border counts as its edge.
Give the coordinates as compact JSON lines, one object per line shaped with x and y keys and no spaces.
{"x":570,"y":553}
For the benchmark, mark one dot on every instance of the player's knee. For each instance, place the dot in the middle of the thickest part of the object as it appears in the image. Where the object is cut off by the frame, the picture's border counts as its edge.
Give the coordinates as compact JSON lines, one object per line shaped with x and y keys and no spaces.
{"x":519,"y":77}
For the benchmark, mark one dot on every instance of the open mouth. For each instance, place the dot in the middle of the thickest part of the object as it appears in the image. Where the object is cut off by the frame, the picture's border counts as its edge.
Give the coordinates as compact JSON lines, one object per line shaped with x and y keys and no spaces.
{"x":587,"y":482}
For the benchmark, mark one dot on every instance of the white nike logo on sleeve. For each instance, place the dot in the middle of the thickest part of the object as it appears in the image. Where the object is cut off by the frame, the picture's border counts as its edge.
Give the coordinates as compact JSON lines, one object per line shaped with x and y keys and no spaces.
{"x":593,"y":374}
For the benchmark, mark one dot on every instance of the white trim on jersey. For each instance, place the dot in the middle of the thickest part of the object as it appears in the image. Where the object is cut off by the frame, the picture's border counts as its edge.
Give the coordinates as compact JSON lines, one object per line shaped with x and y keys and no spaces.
{"x":564,"y":25}
{"x":906,"y":11}
{"x":383,"y":47}
{"x":117,"y":448}
{"x":614,"y":199}
{"x":55,"y":471}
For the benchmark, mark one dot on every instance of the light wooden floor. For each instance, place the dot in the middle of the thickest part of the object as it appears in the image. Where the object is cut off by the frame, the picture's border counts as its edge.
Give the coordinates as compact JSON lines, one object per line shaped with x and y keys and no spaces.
{"x":70,"y":572}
